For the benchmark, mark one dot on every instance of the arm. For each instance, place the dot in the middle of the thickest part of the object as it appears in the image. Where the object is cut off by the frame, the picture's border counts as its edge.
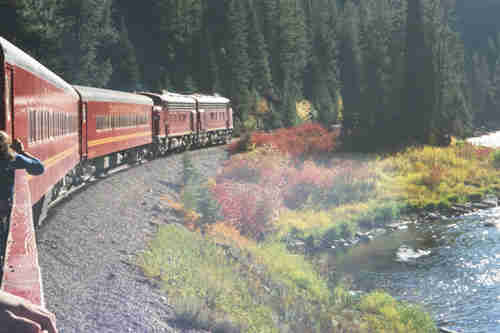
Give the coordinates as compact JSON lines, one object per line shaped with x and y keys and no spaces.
{"x":25,"y":160}
{"x":18,"y":315}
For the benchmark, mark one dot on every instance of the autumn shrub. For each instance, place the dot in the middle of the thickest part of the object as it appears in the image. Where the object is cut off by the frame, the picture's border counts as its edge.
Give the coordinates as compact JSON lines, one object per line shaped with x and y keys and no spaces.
{"x":248,"y":207}
{"x":241,"y":169}
{"x":303,"y":141}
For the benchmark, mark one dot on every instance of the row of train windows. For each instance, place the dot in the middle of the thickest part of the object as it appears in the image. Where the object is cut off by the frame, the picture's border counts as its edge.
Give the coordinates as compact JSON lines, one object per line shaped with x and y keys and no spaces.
{"x":182,"y":106}
{"x":44,"y":125}
{"x":217,"y":115}
{"x":177,"y":117}
{"x":121,"y":120}
{"x":213,"y":106}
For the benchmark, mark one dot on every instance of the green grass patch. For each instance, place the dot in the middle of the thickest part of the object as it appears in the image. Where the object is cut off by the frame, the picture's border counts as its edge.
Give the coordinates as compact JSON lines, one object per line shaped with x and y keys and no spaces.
{"x":382,"y":313}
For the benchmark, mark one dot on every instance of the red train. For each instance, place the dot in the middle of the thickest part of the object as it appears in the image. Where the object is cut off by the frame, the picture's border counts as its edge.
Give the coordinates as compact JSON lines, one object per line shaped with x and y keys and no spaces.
{"x":78,"y":131}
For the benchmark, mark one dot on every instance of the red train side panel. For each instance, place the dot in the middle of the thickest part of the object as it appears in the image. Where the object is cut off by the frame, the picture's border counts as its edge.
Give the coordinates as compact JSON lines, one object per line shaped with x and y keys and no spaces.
{"x":115,"y":121}
{"x":43,"y":113}
{"x":215,"y":116}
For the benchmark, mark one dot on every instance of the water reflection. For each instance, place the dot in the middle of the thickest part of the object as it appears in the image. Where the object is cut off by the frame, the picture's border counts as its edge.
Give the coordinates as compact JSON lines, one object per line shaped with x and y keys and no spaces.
{"x":452,"y":267}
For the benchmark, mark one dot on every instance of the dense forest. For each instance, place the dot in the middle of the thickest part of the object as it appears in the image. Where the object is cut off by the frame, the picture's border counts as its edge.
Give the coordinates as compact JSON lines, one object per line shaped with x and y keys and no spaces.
{"x":406,"y":71}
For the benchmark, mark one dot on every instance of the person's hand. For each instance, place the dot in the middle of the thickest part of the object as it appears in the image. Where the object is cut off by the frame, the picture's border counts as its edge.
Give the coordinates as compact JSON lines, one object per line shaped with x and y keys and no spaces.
{"x":17,"y":315}
{"x":17,"y":145}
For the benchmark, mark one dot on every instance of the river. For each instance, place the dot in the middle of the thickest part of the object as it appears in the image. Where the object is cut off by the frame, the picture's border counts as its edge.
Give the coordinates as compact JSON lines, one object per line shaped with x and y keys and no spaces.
{"x":451,"y":267}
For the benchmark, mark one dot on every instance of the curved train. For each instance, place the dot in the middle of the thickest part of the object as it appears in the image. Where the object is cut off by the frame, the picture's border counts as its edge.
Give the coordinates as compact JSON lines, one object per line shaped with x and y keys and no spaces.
{"x":81,"y":131}
{"x":78,"y":131}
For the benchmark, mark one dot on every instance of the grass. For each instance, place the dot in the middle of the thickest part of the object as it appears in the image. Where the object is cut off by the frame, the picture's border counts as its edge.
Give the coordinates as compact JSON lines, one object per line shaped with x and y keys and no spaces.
{"x":383,"y":314}
{"x":257,"y":287}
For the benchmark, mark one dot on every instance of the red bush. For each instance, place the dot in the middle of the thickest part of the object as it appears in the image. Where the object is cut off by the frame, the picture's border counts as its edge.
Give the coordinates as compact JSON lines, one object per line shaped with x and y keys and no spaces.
{"x":247,"y":207}
{"x":306,"y":140}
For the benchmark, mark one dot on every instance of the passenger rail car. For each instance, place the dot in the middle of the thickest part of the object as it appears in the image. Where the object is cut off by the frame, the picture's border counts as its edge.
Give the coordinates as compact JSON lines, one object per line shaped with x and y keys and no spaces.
{"x":215,"y":120}
{"x":174,"y":121}
{"x":115,"y":126}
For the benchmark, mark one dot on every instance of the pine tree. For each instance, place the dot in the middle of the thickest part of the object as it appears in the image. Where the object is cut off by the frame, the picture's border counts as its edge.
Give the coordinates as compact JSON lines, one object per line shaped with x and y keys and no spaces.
{"x":419,"y":79}
{"x":293,"y":57}
{"x":125,"y":68}
{"x":374,"y":43}
{"x":321,"y":80}
{"x":238,"y":58}
{"x":87,"y":29}
{"x":350,"y":69}
{"x":258,"y":54}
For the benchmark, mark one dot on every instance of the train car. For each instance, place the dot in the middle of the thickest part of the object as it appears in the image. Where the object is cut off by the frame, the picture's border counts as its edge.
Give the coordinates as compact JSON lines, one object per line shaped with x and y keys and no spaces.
{"x":116,"y":126}
{"x":40,"y":109}
{"x":174,"y":121}
{"x":215,"y":119}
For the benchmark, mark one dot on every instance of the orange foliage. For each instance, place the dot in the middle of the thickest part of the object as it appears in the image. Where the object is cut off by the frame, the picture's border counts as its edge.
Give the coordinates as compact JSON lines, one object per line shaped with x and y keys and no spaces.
{"x":228,"y":233}
{"x":304,"y":141}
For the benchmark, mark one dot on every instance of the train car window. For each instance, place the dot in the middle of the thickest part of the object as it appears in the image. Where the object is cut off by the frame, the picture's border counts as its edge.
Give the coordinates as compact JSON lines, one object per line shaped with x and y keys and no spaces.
{"x":30,"y":130}
{"x":36,"y":115}
{"x":58,"y":124}
{"x":49,"y":125}
{"x":66,"y":124}
{"x":44,"y":125}
{"x":8,"y":96}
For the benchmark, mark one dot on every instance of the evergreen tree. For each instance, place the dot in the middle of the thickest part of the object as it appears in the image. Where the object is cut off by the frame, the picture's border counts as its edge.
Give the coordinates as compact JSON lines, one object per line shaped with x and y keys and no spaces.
{"x":238,"y":58}
{"x":350,"y":69}
{"x":419,"y":79}
{"x":125,"y":69}
{"x":321,"y":79}
{"x":374,"y":41}
{"x":258,"y":54}
{"x":293,"y":57}
{"x":87,"y":29}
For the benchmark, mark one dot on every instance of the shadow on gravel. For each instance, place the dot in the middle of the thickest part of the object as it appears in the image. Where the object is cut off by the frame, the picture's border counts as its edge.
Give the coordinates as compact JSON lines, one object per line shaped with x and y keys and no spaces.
{"x":174,"y":186}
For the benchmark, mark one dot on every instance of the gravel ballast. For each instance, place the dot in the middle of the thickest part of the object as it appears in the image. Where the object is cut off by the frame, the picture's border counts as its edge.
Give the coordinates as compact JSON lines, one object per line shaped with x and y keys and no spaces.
{"x":89,"y":244}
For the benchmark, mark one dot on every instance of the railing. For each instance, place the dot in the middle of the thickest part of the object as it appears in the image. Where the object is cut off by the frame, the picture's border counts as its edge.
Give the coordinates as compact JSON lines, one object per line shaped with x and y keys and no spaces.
{"x":21,"y":271}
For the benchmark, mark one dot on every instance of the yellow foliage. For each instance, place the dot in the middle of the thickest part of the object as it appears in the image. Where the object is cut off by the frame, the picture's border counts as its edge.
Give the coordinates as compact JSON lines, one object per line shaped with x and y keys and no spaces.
{"x":304,"y":108}
{"x":229,"y":235}
{"x":302,"y":220}
{"x":190,"y":216}
{"x":427,"y":175}
{"x":262,"y":106}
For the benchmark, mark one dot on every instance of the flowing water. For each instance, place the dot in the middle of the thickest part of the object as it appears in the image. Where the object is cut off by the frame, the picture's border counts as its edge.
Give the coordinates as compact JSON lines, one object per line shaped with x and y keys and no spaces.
{"x":451,"y":267}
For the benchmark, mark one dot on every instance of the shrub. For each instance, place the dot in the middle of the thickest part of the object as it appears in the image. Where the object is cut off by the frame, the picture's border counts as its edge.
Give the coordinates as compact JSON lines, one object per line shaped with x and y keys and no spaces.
{"x":306,"y":140}
{"x":247,"y":207}
{"x":495,"y":158}
{"x":382,"y":313}
{"x":197,"y":196}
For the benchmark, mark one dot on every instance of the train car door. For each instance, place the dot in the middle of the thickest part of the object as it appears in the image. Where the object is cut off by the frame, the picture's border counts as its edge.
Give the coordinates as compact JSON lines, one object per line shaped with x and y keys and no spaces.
{"x":7,"y":115}
{"x":83,"y":130}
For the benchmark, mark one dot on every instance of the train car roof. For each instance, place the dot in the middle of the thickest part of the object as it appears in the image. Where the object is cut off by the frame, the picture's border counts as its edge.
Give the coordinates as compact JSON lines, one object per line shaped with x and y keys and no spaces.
{"x":171,"y":97}
{"x":210,"y":99}
{"x":17,"y":57}
{"x":106,"y":95}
